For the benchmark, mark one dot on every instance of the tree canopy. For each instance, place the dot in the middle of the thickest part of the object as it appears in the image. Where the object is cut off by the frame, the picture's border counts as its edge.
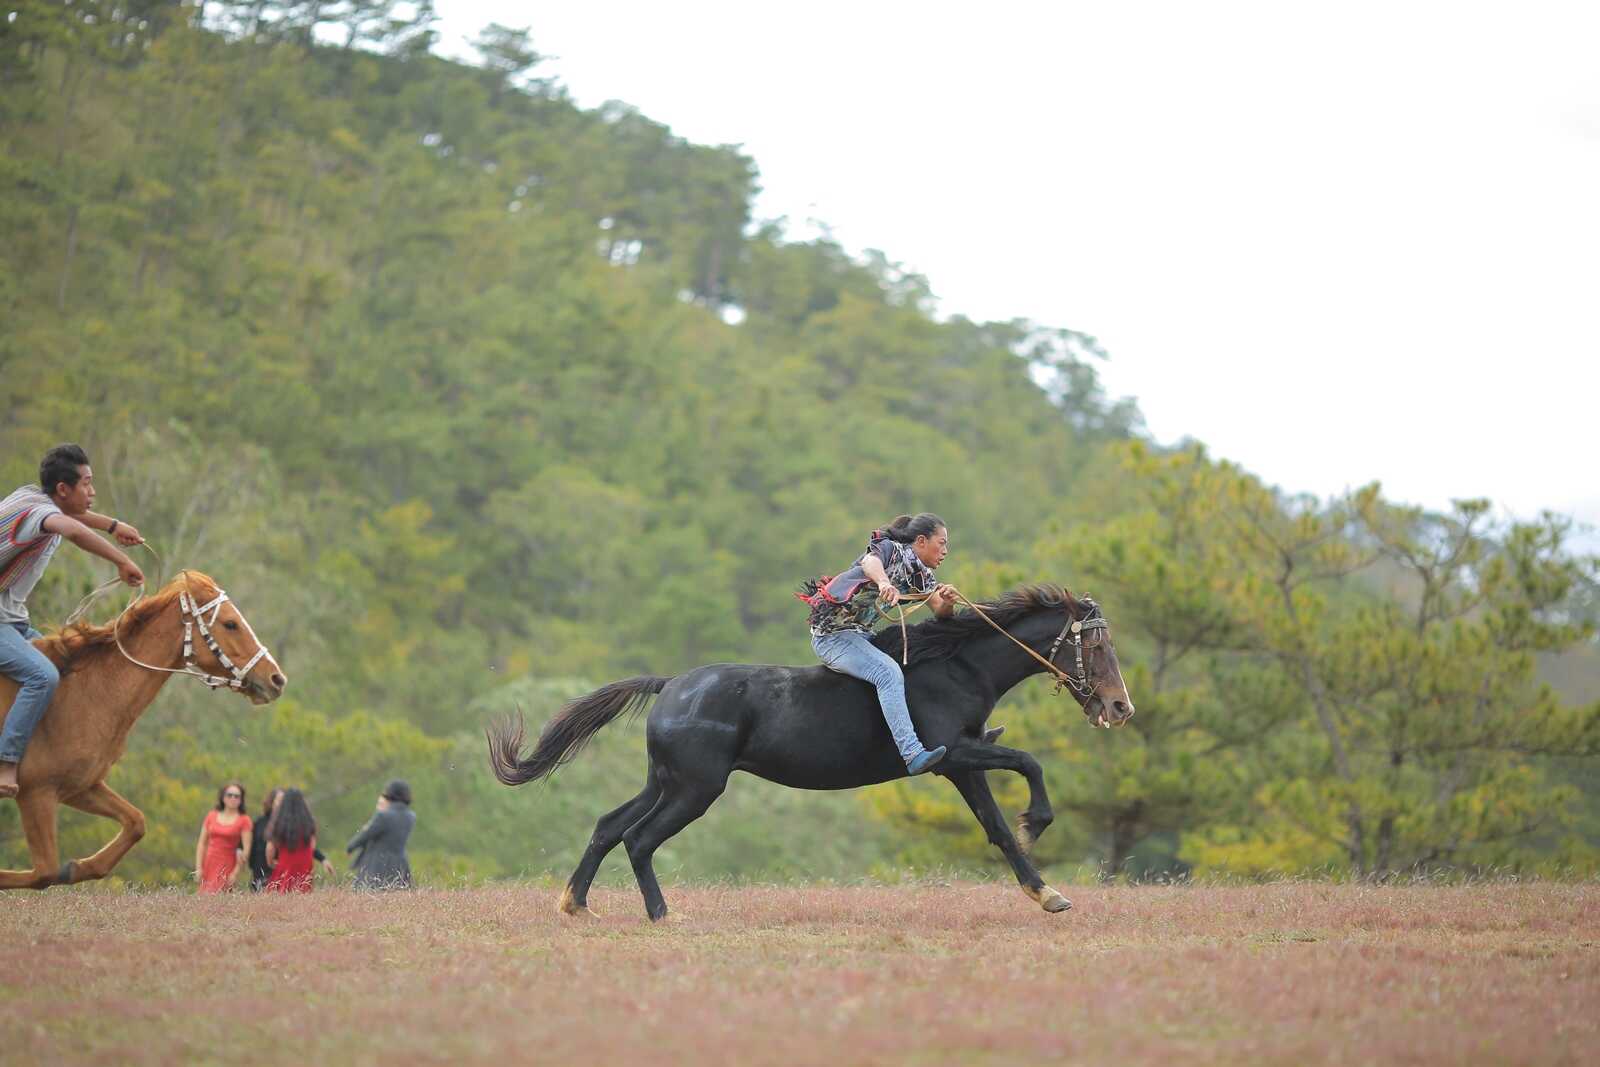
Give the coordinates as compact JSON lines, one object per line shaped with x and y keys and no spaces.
{"x":472,"y":397}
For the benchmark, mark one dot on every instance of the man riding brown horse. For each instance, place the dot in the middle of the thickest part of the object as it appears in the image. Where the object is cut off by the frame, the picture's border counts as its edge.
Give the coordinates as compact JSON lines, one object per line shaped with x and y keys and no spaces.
{"x":33,"y":522}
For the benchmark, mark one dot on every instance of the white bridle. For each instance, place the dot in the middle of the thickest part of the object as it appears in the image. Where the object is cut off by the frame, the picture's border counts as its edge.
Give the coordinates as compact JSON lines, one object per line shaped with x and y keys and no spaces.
{"x":195,"y":616}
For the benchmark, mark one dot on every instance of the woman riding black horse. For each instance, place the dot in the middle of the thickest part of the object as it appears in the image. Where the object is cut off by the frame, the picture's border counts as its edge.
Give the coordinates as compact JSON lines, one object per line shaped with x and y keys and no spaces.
{"x":813,"y":728}
{"x":900,"y":559}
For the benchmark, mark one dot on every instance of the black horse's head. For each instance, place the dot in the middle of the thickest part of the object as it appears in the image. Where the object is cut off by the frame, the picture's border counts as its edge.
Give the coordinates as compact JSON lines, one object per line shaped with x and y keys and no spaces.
{"x":1089,"y":660}
{"x":1067,"y":632}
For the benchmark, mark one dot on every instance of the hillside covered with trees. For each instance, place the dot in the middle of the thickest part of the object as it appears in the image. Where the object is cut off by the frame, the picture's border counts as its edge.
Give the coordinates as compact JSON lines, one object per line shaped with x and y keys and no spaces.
{"x":473,"y":398}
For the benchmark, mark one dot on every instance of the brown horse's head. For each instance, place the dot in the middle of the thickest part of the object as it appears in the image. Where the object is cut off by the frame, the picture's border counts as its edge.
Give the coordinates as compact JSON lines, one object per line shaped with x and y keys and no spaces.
{"x":1104,"y":695}
{"x":263,"y":680}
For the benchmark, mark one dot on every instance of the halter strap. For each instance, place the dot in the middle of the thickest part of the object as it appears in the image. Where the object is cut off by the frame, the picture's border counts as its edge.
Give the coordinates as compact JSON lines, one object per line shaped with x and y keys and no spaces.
{"x":196,"y":617}
{"x":1080,"y":682}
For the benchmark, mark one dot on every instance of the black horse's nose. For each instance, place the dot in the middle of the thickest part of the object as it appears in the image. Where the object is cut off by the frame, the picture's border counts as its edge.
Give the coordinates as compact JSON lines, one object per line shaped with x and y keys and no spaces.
{"x":1123,"y":709}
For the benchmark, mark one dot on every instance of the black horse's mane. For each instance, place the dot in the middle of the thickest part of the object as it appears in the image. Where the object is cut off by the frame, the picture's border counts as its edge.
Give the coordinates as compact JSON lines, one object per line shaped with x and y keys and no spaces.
{"x":941,"y":638}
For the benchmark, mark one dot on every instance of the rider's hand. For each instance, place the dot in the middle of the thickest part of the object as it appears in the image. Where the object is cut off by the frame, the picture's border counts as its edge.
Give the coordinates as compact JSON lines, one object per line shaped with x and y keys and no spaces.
{"x":130,"y":573}
{"x":945,"y":591}
{"x":888,"y":593}
{"x":127,"y":533}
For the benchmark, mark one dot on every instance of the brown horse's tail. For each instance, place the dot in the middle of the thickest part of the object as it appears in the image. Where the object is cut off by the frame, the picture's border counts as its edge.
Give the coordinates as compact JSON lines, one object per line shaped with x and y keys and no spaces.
{"x":565,"y":735}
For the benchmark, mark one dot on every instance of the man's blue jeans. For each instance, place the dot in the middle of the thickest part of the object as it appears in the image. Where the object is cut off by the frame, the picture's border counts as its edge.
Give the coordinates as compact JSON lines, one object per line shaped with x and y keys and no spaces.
{"x":850,"y":652}
{"x":37,"y":676}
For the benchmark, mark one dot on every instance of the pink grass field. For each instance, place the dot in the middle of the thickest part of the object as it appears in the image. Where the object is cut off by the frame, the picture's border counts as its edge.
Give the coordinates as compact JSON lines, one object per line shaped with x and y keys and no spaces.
{"x":1290,"y":973}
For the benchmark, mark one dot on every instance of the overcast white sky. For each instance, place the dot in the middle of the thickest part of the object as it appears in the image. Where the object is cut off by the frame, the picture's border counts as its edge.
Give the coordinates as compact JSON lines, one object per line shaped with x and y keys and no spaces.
{"x":1336,"y":242}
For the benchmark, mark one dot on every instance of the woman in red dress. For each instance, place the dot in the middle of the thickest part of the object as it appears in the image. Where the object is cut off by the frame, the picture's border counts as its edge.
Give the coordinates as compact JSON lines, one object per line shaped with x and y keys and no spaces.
{"x":291,"y":843}
{"x":224,"y":838}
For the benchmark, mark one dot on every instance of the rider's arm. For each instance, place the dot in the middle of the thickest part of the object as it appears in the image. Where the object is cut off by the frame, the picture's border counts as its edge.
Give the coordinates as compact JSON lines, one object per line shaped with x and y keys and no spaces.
{"x":121,"y":529}
{"x":873,"y":568}
{"x":90,"y":542}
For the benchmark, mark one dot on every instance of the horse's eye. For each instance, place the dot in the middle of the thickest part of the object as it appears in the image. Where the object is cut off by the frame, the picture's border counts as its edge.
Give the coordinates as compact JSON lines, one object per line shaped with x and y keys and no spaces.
{"x":230,"y":625}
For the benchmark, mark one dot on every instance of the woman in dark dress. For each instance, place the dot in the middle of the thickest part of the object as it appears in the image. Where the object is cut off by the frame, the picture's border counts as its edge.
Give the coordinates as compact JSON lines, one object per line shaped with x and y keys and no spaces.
{"x":260,"y":869}
{"x":382,"y":862}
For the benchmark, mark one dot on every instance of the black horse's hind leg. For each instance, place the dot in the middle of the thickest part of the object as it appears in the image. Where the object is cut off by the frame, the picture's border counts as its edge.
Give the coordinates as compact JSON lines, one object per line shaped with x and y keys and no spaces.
{"x":681,"y":804}
{"x":607,"y":833}
{"x":975,"y":790}
{"x":986,"y":757}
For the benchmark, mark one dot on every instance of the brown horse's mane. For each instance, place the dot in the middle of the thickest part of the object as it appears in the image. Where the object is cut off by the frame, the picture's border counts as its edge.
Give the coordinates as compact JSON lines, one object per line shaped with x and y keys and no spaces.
{"x":70,"y":644}
{"x":940,"y":638}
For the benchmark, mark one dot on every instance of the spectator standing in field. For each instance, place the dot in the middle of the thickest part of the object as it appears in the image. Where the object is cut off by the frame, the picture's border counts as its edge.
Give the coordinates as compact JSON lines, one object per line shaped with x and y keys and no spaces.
{"x":260,"y":867}
{"x":225,"y":839}
{"x":291,"y":844}
{"x":381,"y":862}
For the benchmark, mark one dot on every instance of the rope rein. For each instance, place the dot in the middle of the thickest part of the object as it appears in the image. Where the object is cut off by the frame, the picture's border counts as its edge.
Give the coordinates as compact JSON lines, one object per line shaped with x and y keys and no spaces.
{"x":1075,"y":627}
{"x":100,"y":590}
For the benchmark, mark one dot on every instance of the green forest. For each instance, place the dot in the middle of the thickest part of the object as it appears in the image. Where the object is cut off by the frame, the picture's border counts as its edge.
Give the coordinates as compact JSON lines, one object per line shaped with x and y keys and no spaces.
{"x":474,"y":399}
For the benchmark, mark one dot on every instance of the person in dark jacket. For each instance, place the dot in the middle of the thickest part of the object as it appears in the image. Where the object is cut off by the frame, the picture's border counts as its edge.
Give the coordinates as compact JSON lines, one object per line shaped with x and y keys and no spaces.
{"x":382,"y":862}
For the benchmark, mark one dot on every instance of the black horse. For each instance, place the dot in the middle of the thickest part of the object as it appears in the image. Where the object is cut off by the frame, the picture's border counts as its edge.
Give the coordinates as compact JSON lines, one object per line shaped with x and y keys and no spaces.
{"x":811,"y":728}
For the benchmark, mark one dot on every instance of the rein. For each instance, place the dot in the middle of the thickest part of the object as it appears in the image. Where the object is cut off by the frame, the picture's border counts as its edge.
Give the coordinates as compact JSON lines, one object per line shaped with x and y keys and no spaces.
{"x":1079,"y":684}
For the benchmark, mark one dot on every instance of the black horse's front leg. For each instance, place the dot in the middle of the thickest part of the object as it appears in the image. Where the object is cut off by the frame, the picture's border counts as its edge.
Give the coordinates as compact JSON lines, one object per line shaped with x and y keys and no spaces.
{"x":975,"y":790}
{"x":977,"y":756}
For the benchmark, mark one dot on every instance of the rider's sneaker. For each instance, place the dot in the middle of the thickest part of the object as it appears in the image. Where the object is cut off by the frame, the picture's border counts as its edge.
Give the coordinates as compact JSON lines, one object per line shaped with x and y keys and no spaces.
{"x":926,"y":760}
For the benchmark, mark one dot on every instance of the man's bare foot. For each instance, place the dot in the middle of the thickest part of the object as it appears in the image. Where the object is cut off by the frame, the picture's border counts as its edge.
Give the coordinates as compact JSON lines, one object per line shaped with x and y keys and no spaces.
{"x":8,"y":780}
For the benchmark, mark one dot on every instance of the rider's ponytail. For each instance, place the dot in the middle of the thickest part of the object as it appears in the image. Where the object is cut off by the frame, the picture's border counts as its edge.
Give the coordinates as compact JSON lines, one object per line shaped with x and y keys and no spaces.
{"x":907,"y":528}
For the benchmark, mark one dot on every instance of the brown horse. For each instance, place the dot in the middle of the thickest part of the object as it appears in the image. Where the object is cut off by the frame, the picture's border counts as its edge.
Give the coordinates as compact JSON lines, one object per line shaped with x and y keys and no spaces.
{"x":109,"y":675}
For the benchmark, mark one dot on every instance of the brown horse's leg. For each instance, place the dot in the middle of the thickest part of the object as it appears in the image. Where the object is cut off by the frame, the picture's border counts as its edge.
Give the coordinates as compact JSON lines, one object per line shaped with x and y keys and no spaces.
{"x":38,"y":808}
{"x":101,"y":799}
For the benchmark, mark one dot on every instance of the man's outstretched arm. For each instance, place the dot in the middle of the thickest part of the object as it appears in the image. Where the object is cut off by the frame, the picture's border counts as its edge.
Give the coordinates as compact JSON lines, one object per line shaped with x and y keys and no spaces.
{"x":91,"y":542}
{"x":121,"y":529}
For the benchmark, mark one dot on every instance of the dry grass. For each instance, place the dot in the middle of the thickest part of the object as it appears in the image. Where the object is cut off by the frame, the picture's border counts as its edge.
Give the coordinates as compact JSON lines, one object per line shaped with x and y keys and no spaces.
{"x":973,"y":974}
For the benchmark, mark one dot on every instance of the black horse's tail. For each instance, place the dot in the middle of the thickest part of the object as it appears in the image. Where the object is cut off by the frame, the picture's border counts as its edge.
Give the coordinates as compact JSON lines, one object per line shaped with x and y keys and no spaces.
{"x":566,"y":734}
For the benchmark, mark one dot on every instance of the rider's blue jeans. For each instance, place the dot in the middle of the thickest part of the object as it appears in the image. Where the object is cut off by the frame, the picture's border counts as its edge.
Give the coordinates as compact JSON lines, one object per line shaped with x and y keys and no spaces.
{"x":36,"y":675}
{"x":850,"y":652}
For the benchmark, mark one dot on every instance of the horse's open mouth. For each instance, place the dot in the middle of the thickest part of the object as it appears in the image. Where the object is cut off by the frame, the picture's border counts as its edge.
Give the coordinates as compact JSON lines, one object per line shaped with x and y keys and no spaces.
{"x":1101,"y":712}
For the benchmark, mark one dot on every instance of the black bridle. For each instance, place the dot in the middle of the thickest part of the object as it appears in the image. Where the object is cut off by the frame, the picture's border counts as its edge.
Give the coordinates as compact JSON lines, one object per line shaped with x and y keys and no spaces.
{"x":1079,"y":679}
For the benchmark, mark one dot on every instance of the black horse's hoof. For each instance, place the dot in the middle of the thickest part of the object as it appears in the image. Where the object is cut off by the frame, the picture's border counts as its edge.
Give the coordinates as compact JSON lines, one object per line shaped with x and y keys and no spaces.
{"x":991,"y":736}
{"x":568,"y":905}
